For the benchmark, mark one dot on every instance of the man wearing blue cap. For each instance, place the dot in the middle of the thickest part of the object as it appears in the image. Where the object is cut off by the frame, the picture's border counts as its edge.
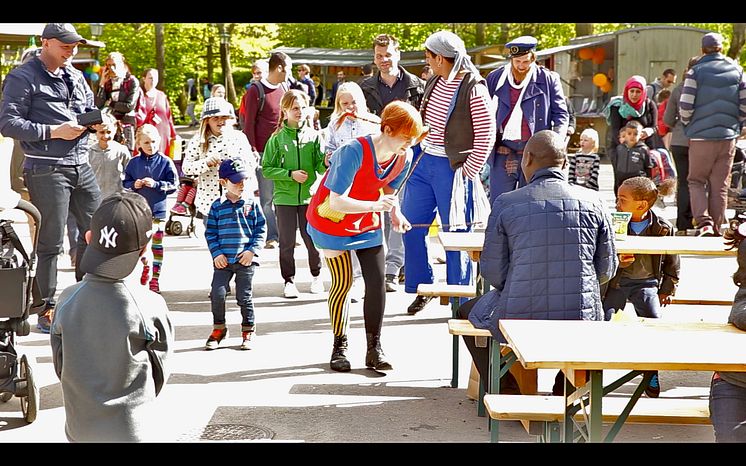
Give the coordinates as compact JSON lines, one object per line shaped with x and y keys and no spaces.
{"x":42,"y":100}
{"x":542,"y":106}
{"x":712,"y":108}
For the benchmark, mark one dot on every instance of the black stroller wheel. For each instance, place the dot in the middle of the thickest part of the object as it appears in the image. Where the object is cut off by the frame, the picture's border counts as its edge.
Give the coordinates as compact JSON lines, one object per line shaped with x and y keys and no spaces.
{"x":29,"y":401}
{"x":167,"y":228}
{"x":176,"y":228}
{"x":5,"y":397}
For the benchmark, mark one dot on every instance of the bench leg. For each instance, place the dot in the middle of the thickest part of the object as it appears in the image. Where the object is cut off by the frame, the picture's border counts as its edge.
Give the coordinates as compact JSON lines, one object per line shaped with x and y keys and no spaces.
{"x":454,"y":373}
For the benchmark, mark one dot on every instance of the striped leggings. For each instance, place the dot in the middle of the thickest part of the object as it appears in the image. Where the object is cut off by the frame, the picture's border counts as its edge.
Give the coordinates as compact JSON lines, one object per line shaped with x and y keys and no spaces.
{"x":372,"y":264}
{"x":156,"y":247}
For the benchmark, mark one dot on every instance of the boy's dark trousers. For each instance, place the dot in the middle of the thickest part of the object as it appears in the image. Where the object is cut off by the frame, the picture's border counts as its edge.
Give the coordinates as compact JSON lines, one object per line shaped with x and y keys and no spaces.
{"x":244,"y":277}
{"x":643,"y":293}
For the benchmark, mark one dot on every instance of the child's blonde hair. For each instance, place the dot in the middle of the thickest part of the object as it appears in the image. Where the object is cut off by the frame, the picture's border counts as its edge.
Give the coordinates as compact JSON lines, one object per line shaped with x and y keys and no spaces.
{"x":286,"y":103}
{"x":148,"y":130}
{"x":356,"y":92}
{"x":593,"y":135}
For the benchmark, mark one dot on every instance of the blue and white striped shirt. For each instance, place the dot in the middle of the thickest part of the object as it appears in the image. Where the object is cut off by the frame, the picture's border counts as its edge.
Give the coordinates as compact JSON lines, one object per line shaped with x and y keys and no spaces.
{"x":235,"y":227}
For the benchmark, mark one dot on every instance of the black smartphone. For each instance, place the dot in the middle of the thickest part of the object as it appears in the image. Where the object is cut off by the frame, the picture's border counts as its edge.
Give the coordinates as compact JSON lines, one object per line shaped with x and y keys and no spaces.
{"x":90,"y":118}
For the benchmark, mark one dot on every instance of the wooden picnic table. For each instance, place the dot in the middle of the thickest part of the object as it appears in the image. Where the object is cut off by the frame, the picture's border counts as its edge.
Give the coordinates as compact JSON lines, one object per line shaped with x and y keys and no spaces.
{"x":642,"y":345}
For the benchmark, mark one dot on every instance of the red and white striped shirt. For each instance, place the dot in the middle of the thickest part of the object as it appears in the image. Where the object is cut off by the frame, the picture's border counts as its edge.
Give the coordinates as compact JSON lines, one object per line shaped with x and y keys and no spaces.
{"x":482,"y":120}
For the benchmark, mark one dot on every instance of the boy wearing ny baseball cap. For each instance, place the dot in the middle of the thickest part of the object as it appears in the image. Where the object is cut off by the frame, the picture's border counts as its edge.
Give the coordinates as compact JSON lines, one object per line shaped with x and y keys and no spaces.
{"x":110,"y":340}
{"x":235,"y":233}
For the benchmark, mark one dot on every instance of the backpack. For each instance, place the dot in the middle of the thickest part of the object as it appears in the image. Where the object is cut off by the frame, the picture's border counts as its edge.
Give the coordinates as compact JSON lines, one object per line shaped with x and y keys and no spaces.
{"x":193,"y":93}
{"x":664,"y":167}
{"x":260,"y":97}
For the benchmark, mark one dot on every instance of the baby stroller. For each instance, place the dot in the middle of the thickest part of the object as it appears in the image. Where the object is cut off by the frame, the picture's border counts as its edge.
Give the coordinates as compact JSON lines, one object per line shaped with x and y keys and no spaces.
{"x":19,"y":296}
{"x":737,"y":189}
{"x":184,"y":207}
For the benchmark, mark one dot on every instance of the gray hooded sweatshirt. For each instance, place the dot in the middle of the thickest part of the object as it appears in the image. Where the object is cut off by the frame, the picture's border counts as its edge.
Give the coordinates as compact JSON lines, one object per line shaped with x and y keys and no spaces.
{"x":110,"y":342}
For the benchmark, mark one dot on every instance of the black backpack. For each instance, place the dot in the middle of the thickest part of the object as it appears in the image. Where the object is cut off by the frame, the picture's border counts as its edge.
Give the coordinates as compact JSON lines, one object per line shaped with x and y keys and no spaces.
{"x":193,"y":93}
{"x":260,"y":96}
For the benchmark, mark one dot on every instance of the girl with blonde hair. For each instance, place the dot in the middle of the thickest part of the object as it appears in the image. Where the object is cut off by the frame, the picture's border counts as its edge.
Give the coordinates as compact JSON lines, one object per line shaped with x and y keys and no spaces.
{"x":585,"y":165}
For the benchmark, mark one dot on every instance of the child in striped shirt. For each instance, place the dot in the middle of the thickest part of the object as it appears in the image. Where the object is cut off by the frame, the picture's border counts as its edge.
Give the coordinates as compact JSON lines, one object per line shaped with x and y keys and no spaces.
{"x":584,"y":166}
{"x":235,"y":233}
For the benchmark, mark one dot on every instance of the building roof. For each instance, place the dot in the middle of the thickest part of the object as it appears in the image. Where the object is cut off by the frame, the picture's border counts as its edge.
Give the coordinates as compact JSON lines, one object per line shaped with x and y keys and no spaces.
{"x":343,"y":57}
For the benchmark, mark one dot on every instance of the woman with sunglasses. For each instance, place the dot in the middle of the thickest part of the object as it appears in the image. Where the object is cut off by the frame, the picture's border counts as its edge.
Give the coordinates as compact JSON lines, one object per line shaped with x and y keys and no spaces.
{"x":345,"y":215}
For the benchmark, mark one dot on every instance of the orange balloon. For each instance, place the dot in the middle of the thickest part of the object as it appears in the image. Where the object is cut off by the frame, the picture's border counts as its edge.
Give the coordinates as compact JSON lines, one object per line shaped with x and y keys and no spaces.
{"x":599,"y":79}
{"x":599,"y":55}
{"x":585,"y":53}
{"x":606,"y":88}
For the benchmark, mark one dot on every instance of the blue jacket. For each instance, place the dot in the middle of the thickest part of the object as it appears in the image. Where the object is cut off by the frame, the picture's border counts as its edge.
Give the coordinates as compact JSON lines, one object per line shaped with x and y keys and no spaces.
{"x":162,"y":170}
{"x":33,"y":101}
{"x":710,"y":100}
{"x":548,"y":247}
{"x":543,"y":103}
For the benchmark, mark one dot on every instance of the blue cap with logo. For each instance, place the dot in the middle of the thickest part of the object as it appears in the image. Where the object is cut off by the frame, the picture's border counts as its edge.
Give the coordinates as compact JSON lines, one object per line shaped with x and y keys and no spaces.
{"x":64,"y":32}
{"x":521,"y":46}
{"x":233,"y":169}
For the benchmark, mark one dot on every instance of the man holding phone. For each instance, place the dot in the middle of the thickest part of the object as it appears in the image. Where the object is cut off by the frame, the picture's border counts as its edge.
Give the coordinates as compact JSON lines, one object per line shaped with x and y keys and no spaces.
{"x":42,"y":99}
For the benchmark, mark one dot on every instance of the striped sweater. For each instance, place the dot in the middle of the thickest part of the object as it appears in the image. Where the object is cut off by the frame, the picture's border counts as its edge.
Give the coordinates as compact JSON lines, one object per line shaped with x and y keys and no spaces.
{"x":483,"y":122}
{"x":583,"y":170}
{"x":235,"y":227}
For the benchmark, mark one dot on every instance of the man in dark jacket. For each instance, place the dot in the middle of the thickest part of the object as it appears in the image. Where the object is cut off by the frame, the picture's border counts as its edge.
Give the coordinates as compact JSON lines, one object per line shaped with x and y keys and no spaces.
{"x":41,"y":101}
{"x":391,"y":81}
{"x":713,"y":111}
{"x":536,"y":268}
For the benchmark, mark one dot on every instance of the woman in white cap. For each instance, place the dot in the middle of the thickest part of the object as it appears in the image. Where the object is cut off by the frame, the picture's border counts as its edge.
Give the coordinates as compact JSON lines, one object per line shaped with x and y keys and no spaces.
{"x":456,"y":107}
{"x":214,"y":142}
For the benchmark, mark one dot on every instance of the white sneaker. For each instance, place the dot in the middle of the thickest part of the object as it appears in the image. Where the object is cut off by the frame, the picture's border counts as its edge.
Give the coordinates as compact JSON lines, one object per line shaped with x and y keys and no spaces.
{"x":317,"y":285}
{"x":290,"y":291}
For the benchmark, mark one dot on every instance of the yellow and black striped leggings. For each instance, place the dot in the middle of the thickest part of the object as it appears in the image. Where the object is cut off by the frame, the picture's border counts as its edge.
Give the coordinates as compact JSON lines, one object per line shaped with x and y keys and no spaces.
{"x":372,"y":262}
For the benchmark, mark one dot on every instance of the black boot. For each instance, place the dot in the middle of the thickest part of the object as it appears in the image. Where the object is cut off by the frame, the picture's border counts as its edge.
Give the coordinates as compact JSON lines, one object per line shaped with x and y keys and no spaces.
{"x":339,"y":360}
{"x":374,"y":358}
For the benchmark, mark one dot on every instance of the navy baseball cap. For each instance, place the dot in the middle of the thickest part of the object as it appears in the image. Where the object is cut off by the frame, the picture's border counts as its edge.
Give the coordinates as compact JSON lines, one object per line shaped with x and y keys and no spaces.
{"x":64,"y":32}
{"x":120,"y":227}
{"x":521,"y":46}
{"x":233,"y":169}
{"x":712,"y":39}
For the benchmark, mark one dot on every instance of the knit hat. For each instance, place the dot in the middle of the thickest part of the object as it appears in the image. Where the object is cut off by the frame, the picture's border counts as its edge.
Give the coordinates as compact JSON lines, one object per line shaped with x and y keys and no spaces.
{"x":215,"y":107}
{"x":712,"y":39}
{"x":120,"y":227}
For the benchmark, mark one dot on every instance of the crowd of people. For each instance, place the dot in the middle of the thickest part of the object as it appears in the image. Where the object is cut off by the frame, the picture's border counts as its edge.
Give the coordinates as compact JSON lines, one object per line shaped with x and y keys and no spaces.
{"x":399,"y":151}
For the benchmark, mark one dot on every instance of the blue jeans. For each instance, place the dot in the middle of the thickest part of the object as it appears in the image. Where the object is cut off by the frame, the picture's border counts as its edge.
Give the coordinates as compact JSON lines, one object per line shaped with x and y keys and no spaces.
{"x":728,"y":411}
{"x":244,"y":278}
{"x":56,"y":190}
{"x":394,"y":245}
{"x":429,"y":189}
{"x":500,"y":180}
{"x":643,"y":294}
{"x":266,"y":191}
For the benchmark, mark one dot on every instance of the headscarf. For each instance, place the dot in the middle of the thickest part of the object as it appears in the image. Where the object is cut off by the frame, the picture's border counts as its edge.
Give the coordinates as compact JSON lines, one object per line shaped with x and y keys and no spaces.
{"x":638,"y":82}
{"x":450,"y":45}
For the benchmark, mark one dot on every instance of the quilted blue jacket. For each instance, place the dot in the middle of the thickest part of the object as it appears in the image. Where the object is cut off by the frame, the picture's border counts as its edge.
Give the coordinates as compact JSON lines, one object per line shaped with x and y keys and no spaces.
{"x":548,"y":247}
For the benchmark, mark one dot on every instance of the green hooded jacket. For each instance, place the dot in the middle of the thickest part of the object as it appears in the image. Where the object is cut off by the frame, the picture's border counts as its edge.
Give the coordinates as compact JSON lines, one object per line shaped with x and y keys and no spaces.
{"x":288,"y":150}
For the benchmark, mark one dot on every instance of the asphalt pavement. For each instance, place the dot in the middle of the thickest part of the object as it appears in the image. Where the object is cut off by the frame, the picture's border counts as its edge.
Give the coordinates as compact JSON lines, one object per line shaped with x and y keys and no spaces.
{"x":282,"y":390}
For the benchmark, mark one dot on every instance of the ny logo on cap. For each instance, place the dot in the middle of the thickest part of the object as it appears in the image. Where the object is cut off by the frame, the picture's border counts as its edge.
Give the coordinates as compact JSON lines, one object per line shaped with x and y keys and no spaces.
{"x":109,"y":236}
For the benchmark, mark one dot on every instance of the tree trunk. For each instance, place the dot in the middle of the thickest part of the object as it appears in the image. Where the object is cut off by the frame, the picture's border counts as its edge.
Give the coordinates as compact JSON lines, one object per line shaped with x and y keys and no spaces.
{"x":583,"y":29}
{"x":160,"y":56}
{"x":737,"y":41}
{"x":504,"y":30}
{"x":225,"y":61}
{"x":208,"y":58}
{"x":479,"y":39}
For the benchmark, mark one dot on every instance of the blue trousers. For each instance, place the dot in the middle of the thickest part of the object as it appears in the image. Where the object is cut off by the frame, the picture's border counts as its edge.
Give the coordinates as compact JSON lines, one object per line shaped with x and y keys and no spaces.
{"x":500,"y":180}
{"x":244,"y":293}
{"x":56,"y":190}
{"x":643,"y":294}
{"x":728,"y":411}
{"x":429,"y":189}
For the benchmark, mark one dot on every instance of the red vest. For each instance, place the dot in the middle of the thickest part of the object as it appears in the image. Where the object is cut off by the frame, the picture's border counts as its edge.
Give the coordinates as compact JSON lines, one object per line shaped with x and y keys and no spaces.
{"x":366,"y":186}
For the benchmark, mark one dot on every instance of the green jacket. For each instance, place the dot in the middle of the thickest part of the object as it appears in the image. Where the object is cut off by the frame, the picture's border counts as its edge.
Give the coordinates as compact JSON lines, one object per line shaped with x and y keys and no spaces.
{"x":292,"y":149}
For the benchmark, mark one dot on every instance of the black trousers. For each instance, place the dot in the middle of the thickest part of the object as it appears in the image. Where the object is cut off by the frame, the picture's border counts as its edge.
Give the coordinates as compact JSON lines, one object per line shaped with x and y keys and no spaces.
{"x":289,"y":219}
{"x":683,"y":204}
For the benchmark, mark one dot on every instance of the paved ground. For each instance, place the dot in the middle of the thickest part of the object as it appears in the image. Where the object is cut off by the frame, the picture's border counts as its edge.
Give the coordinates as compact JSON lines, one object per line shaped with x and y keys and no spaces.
{"x":284,"y":390}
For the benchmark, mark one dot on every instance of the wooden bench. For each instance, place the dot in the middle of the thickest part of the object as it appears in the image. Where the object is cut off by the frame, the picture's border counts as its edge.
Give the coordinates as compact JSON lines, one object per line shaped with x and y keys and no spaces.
{"x":537,"y":413}
{"x":449,"y":293}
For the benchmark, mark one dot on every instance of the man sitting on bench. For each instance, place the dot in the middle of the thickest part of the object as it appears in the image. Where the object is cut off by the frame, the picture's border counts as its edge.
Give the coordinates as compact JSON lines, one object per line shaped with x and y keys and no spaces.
{"x":548,"y":248}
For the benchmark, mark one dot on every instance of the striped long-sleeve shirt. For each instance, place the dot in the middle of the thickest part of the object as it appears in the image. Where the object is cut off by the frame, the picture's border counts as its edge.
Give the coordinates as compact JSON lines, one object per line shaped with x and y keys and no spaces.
{"x":584,"y":170}
{"x":483,"y":122}
{"x":235,"y":227}
{"x":710,"y":99}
